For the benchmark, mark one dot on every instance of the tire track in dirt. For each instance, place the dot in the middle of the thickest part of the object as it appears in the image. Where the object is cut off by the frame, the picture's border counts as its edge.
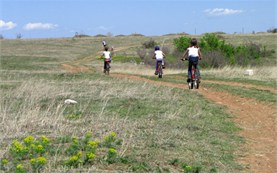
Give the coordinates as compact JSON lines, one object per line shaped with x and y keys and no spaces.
{"x":245,"y":85}
{"x":238,"y":84}
{"x":257,"y":120}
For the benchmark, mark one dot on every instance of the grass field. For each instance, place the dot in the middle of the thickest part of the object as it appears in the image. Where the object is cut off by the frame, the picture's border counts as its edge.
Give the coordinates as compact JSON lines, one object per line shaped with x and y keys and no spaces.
{"x":158,"y":128}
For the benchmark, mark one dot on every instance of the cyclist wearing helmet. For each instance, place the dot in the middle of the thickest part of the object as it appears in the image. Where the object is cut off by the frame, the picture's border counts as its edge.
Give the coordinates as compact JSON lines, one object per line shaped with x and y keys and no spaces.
{"x":194,"y":54}
{"x":159,"y":56}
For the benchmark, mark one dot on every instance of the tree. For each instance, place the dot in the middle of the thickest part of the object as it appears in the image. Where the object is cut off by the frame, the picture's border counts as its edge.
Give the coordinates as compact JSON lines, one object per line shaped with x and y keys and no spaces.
{"x":182,"y":43}
{"x":18,"y":36}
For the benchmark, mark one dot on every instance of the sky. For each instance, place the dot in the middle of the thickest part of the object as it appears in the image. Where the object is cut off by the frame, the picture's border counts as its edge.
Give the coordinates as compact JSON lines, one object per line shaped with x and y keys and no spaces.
{"x":65,"y":18}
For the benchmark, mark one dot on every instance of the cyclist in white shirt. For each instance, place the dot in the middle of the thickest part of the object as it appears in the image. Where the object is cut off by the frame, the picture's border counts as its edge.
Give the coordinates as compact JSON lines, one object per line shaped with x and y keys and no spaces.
{"x":159,"y":56}
{"x":107,"y":56}
{"x":194,"y":54}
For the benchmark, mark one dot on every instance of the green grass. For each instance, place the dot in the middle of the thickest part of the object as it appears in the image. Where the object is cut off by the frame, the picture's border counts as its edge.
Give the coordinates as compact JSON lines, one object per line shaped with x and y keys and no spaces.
{"x":27,"y":63}
{"x":251,"y":92}
{"x":258,"y":94}
{"x":152,"y":127}
{"x":267,"y":83}
{"x":161,"y":127}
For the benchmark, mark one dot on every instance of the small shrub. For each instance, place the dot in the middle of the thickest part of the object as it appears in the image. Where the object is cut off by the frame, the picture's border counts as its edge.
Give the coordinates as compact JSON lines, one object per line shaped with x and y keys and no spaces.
{"x":109,"y":141}
{"x":20,"y":169}
{"x":182,"y":43}
{"x":112,"y":155}
{"x":166,"y":50}
{"x":149,"y":44}
{"x":273,"y":30}
{"x":191,"y":169}
{"x":4,"y":164}
{"x":211,"y":41}
{"x":141,"y":53}
{"x":38,"y":163}
{"x":78,"y":151}
{"x":74,"y":161}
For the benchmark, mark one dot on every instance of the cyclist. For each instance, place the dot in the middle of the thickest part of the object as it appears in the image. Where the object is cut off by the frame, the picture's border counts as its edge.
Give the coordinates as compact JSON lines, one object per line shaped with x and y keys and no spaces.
{"x":107,"y":57}
{"x":159,"y":56}
{"x":194,"y":54}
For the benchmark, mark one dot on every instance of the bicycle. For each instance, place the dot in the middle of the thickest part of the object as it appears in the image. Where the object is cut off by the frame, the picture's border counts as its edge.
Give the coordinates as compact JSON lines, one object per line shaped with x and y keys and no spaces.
{"x":160,"y":69}
{"x":194,"y":82}
{"x":107,"y":67}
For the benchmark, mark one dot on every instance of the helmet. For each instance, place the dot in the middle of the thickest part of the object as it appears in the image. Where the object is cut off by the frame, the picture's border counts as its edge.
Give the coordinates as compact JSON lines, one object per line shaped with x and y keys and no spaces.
{"x":157,"y":48}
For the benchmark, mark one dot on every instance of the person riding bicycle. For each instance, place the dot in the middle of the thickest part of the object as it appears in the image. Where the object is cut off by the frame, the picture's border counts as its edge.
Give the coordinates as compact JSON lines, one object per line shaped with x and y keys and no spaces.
{"x":194,"y":54}
{"x":159,"y":56}
{"x":107,"y":57}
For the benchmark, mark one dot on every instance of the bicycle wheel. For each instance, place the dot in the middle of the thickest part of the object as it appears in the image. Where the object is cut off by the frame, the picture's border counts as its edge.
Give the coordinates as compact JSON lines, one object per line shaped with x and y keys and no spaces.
{"x":197,"y":81}
{"x":160,"y":70}
{"x":107,"y":69}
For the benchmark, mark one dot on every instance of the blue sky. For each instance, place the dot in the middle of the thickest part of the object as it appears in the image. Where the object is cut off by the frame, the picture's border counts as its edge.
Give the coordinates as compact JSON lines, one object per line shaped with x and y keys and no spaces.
{"x":63,"y":18}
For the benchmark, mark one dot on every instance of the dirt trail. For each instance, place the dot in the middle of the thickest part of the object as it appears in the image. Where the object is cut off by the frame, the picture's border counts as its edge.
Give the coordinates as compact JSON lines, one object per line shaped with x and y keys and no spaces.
{"x":244,"y":85}
{"x":257,"y":120}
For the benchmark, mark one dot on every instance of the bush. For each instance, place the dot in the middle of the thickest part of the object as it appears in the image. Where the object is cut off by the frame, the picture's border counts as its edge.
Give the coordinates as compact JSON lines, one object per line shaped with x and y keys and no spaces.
{"x":141,"y":53}
{"x":149,"y":44}
{"x":213,"y":59}
{"x":273,"y":30}
{"x":211,"y":42}
{"x":182,"y":43}
{"x":217,"y":53}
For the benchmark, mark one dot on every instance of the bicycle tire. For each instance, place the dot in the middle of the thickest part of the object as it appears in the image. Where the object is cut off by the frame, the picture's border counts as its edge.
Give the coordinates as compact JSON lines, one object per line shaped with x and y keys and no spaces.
{"x":160,"y":70}
{"x":107,"y":69}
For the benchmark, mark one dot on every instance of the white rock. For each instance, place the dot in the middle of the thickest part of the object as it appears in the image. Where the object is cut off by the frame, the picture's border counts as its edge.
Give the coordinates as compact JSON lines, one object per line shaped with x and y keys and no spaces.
{"x":69,"y":101}
{"x":249,"y":72}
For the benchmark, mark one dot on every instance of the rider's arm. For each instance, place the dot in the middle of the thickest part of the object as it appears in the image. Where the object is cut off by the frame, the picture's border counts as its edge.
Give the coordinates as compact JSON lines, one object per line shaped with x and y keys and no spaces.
{"x":185,"y":54}
{"x":200,"y":54}
{"x":154,"y":56}
{"x":163,"y":55}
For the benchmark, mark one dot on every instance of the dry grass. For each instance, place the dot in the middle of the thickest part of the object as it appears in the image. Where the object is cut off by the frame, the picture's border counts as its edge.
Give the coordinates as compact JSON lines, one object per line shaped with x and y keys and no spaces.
{"x":260,"y":73}
{"x":137,"y":69}
{"x":154,"y":131}
{"x":227,"y":72}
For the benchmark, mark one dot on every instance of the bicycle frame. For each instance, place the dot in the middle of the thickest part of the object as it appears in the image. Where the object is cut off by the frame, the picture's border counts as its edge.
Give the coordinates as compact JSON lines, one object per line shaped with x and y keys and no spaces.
{"x":194,"y":82}
{"x":160,"y":70}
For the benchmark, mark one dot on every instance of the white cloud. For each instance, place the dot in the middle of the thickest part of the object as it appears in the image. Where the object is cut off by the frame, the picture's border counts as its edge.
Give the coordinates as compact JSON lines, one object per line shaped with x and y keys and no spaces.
{"x":103,"y":28}
{"x":7,"y":25}
{"x":32,"y":26}
{"x":221,"y":11}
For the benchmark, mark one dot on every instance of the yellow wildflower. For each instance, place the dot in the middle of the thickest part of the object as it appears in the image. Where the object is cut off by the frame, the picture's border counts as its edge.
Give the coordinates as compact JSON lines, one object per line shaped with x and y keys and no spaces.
{"x":113,"y":134}
{"x":44,"y":140}
{"x":28,"y":140}
{"x":90,"y":156}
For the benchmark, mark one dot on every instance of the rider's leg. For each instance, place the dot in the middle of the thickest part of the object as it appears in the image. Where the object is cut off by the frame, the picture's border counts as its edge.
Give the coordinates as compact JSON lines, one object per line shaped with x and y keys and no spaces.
{"x":104,"y":66}
{"x":189,"y":71}
{"x":156,"y":71}
{"x":197,"y":71}
{"x":163,"y":64}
